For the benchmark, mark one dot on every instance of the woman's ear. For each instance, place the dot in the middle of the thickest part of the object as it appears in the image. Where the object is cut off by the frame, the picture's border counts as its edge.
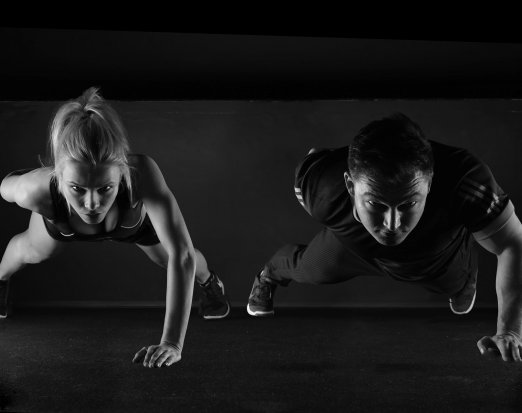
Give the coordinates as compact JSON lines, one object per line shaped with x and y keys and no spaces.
{"x":348,"y":181}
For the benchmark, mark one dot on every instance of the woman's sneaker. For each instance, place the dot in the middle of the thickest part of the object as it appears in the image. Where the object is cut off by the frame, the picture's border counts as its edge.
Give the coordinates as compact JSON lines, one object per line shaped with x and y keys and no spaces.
{"x":261,"y":299}
{"x":213,"y":303}
{"x":463,"y":301}
{"x":4,"y":299}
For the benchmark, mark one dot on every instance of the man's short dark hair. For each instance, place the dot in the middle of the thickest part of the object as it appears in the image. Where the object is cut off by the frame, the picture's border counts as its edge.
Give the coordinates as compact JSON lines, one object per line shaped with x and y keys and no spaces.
{"x":392,"y":149}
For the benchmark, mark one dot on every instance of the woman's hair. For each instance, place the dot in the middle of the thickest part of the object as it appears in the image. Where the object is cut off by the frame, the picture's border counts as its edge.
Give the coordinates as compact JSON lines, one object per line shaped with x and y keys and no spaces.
{"x":392,"y":148}
{"x":88,"y":129}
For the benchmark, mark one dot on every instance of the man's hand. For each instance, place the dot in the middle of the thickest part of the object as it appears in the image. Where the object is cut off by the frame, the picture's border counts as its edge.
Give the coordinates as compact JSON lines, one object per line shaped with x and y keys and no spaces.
{"x":506,"y":345}
{"x":164,"y":354}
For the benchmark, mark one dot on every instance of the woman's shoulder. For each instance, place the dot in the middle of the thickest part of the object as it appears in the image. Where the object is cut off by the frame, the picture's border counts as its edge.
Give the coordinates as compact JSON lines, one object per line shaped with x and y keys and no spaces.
{"x":32,"y":190}
{"x":143,"y":166}
{"x":146,"y":174}
{"x":139,"y":161}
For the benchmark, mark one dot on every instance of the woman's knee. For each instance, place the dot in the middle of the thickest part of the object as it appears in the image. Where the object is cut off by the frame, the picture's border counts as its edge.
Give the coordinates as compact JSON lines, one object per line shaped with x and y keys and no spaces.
{"x":31,"y":253}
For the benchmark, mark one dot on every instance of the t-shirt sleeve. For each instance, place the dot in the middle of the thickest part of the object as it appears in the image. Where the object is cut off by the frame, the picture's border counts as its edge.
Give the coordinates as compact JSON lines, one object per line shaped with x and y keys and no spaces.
{"x":479,"y":198}
{"x":319,"y":185}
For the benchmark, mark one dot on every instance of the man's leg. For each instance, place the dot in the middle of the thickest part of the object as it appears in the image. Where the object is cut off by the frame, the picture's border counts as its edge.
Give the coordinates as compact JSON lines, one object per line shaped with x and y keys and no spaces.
{"x":459,"y":282}
{"x":32,"y":246}
{"x":214,"y":303}
{"x":323,"y":261}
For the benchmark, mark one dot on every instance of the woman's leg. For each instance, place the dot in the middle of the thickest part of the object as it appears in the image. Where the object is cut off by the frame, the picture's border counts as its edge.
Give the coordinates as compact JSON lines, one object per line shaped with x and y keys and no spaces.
{"x":32,"y":246}
{"x":159,"y":255}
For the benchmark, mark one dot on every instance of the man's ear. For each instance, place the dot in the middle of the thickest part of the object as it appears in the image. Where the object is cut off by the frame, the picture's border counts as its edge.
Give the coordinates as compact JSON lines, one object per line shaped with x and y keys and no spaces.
{"x":348,"y":181}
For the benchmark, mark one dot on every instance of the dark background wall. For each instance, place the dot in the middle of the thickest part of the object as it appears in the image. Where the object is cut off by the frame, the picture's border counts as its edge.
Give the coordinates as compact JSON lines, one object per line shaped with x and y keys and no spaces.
{"x":48,"y":64}
{"x":227,"y":117}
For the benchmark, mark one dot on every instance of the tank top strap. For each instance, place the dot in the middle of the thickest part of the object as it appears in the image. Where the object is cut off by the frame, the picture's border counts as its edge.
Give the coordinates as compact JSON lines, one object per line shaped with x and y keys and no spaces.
{"x":61,"y":211}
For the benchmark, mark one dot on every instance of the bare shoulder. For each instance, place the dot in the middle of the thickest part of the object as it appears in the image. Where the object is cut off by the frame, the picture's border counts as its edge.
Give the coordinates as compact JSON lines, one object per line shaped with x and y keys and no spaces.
{"x":147,"y":175}
{"x":30,"y":190}
{"x":139,"y":161}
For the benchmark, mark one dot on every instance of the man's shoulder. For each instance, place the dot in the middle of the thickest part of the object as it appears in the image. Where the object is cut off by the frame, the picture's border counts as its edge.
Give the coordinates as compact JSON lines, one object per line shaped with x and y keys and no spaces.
{"x":319,"y":183}
{"x":453,"y":163}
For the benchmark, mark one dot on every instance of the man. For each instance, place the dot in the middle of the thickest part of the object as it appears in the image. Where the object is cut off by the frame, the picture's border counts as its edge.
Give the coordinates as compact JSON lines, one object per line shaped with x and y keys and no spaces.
{"x":398,"y":205}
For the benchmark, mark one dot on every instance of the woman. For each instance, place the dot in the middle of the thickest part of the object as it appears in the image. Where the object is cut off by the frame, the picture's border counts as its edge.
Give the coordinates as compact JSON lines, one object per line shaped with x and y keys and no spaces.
{"x":95,"y":190}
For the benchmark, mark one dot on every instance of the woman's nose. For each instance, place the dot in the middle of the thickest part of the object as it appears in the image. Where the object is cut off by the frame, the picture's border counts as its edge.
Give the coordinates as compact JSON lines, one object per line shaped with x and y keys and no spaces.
{"x":92,"y":201}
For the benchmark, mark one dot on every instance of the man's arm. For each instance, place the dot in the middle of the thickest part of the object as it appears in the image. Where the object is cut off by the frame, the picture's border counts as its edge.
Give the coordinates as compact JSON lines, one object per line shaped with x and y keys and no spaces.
{"x":170,"y":227}
{"x":506,"y":244}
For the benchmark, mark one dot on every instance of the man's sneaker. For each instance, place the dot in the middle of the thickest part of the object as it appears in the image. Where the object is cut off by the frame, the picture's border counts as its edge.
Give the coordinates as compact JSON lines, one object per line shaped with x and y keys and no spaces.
{"x":261,"y":300}
{"x":4,"y":298}
{"x":213,"y":303}
{"x":463,"y":301}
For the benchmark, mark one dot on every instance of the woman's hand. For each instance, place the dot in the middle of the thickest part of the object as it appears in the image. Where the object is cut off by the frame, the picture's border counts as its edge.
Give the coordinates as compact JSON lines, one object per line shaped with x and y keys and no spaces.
{"x":164,"y":354}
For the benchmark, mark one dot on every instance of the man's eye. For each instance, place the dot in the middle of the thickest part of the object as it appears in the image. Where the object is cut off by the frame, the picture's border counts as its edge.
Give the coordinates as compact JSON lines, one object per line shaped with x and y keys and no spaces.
{"x":105,"y":189}
{"x":76,"y":188}
{"x":408,"y":205}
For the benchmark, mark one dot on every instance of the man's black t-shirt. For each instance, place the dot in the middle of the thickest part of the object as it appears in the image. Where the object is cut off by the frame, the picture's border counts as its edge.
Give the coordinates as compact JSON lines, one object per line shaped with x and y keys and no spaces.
{"x":464,"y":199}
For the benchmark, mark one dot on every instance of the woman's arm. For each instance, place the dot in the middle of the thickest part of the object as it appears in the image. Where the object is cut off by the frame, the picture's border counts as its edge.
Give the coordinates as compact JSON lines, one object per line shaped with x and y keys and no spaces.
{"x":170,"y":227}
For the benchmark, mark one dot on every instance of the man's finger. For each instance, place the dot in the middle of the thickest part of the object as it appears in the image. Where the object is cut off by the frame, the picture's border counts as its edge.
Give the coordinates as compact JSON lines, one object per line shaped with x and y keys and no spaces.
{"x":504,"y":349}
{"x":139,"y":355}
{"x":486,"y":345}
{"x":515,"y":352}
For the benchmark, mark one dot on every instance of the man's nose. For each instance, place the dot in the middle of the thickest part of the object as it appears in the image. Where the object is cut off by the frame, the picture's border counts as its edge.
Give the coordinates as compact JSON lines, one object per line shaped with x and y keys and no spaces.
{"x":392,"y":219}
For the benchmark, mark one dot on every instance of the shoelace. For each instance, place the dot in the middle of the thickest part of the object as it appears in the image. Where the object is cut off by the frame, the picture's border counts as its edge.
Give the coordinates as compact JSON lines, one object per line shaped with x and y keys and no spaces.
{"x":263,"y":291}
{"x":213,"y":289}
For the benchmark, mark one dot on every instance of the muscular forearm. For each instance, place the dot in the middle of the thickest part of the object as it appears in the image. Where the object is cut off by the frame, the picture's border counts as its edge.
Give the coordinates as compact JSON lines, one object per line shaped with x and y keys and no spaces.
{"x":180,"y":285}
{"x":509,"y":292}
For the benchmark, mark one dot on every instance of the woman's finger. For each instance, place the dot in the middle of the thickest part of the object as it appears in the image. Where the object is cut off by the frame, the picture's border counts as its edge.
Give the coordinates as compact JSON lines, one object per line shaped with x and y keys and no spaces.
{"x":139,"y":355}
{"x":161,"y":360}
{"x":173,"y":358}
{"x":159,"y":351}
{"x":150,"y":352}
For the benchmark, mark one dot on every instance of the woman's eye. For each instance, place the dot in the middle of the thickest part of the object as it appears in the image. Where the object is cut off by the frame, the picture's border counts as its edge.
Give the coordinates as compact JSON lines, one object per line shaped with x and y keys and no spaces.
{"x":76,"y":188}
{"x":106,"y":189}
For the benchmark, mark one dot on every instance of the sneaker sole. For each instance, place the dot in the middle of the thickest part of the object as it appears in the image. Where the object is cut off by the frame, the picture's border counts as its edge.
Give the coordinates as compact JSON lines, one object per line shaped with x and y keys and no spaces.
{"x":258,"y":313}
{"x":469,"y":308}
{"x":217,"y":317}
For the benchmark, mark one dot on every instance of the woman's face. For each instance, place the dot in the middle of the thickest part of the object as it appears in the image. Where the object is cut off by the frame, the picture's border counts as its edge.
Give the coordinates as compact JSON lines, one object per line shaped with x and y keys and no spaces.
{"x":90,"y":190}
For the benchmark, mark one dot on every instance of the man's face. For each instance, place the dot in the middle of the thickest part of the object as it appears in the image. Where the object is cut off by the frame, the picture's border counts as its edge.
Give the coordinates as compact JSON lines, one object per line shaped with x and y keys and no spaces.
{"x":389,"y":212}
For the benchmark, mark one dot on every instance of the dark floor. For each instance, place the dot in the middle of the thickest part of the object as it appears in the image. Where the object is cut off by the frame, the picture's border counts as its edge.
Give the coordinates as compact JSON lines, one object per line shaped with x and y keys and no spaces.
{"x":303,"y":360}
